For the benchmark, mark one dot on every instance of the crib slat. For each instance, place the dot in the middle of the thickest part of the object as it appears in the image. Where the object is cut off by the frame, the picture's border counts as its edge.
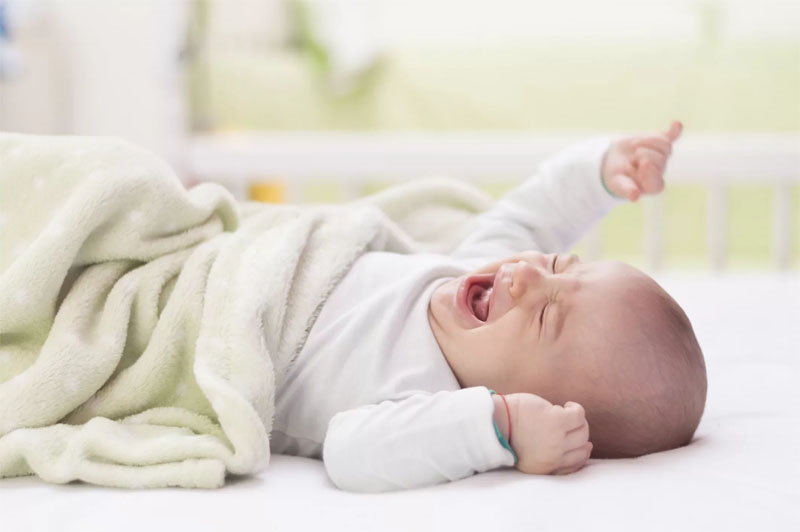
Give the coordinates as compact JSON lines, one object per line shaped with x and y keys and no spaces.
{"x":782,"y":225}
{"x":717,"y":224}
{"x":654,"y":231}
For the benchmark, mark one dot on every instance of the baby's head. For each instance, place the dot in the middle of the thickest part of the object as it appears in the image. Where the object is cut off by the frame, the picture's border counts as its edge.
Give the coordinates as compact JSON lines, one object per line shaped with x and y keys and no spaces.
{"x":602,"y":334}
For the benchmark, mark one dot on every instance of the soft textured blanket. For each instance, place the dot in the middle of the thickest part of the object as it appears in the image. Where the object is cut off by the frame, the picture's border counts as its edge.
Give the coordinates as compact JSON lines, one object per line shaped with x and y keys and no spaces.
{"x":144,"y":327}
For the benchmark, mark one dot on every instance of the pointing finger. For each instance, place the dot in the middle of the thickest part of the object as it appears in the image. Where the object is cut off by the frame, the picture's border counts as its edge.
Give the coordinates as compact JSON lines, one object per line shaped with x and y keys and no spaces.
{"x":674,"y":131}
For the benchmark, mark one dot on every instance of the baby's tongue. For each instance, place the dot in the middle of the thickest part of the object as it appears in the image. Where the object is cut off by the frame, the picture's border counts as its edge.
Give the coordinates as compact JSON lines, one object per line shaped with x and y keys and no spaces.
{"x":481,"y":304}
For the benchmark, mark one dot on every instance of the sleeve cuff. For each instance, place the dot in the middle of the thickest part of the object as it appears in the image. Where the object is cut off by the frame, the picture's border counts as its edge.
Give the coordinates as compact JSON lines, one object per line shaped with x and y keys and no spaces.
{"x":503,"y":441}
{"x":591,"y":155}
{"x":574,"y":182}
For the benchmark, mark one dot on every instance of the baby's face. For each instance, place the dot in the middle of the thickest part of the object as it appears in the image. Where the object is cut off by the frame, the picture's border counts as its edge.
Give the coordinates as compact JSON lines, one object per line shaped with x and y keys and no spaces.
{"x":536,"y":323}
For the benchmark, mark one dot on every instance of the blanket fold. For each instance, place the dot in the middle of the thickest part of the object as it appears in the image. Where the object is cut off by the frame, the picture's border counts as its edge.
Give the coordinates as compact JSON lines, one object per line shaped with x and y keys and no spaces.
{"x":144,"y":327}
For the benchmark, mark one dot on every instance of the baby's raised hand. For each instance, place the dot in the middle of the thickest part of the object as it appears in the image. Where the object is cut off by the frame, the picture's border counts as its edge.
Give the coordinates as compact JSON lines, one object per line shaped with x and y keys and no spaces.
{"x":548,"y":438}
{"x":635,"y":165}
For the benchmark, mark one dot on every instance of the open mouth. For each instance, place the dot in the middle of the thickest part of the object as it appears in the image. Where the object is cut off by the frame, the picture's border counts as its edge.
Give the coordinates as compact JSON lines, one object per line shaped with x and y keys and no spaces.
{"x":477,"y":293}
{"x":479,"y":297}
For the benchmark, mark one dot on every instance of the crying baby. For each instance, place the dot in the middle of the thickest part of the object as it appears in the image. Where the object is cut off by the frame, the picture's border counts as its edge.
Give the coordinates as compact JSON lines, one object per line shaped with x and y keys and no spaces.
{"x":435,"y":367}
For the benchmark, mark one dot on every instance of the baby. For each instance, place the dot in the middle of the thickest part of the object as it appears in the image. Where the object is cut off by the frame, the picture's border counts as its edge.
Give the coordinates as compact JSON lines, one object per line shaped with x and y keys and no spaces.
{"x":434,"y":367}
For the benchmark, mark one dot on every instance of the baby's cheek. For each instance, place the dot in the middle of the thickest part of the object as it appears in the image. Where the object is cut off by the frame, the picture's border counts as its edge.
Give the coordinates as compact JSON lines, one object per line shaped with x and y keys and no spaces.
{"x":513,"y":359}
{"x":486,"y":352}
{"x":539,"y":373}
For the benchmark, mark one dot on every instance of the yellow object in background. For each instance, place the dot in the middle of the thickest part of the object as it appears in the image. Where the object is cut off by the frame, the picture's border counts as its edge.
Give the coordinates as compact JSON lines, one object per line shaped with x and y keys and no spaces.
{"x":267,"y":191}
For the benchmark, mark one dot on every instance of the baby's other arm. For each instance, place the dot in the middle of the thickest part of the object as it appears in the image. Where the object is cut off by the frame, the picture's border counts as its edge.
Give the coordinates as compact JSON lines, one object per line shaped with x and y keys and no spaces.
{"x":419,"y":441}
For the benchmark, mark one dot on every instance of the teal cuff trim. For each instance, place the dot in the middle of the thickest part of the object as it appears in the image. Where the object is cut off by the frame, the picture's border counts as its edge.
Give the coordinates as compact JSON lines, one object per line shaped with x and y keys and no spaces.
{"x":603,"y":182}
{"x":500,"y":436}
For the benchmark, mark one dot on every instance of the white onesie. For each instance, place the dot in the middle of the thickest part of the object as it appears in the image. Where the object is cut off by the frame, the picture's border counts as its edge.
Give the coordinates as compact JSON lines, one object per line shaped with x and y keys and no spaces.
{"x":371,"y":392}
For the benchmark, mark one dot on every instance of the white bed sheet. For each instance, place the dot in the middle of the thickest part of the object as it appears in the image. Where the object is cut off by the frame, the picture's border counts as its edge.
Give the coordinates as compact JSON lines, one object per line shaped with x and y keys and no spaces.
{"x":741,"y":473}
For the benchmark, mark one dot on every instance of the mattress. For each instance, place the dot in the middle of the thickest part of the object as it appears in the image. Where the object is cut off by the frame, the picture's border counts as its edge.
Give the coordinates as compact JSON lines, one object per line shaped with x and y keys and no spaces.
{"x":740,"y":472}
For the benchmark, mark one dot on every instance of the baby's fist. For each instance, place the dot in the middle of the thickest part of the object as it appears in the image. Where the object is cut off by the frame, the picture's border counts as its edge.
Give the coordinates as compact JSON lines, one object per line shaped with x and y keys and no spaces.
{"x":635,"y":165}
{"x":548,"y":438}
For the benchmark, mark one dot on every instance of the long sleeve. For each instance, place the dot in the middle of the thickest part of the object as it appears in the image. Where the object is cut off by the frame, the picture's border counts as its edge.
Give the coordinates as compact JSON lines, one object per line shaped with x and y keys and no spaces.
{"x":422,"y":440}
{"x":550,"y":210}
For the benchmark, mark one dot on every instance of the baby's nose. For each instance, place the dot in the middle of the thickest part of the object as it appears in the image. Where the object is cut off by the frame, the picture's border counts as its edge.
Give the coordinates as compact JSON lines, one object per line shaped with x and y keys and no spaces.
{"x":526,"y":276}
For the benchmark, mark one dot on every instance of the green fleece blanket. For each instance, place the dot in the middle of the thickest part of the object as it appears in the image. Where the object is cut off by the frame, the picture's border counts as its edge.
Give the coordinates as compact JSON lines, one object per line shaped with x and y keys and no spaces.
{"x":144,"y":327}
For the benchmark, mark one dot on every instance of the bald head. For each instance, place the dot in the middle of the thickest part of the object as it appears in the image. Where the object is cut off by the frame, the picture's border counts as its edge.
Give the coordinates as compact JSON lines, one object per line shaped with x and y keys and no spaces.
{"x":648,"y":387}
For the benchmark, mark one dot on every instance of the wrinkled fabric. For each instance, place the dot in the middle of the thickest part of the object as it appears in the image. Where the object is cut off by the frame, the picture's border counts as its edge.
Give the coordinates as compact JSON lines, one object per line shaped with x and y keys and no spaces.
{"x":143,"y":326}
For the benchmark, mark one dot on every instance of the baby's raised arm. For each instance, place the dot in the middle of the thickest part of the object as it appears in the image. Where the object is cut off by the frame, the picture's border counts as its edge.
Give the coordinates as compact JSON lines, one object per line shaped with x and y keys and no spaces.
{"x":547,"y":212}
{"x":569,"y":192}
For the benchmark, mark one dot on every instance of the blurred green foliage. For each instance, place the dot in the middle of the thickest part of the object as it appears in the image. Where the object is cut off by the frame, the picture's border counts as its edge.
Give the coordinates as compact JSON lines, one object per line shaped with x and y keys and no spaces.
{"x":564,"y":87}
{"x":543,"y":87}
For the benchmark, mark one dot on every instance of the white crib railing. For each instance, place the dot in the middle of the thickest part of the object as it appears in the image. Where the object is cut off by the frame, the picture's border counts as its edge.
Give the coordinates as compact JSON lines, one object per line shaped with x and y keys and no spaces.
{"x":353,"y":159}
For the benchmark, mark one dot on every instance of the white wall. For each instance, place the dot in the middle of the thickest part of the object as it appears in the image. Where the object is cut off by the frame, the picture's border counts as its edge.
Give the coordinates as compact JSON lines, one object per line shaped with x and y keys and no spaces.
{"x":99,"y":67}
